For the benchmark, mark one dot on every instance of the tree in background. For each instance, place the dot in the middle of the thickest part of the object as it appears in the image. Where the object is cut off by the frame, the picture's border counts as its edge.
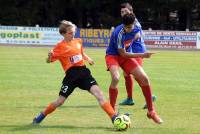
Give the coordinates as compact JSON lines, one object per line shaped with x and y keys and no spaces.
{"x":155,"y":14}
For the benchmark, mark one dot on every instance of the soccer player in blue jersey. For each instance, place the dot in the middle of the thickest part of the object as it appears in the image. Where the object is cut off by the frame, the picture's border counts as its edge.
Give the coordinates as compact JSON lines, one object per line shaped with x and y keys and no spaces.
{"x":139,"y":47}
{"x":118,"y":55}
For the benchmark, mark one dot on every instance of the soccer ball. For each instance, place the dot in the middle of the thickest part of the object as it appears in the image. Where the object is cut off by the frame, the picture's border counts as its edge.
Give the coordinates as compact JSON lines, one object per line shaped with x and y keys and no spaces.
{"x":122,"y":122}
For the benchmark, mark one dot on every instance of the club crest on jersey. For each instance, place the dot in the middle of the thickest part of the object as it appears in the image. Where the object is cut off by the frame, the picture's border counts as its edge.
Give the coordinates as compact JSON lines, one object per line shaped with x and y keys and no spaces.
{"x":127,"y":43}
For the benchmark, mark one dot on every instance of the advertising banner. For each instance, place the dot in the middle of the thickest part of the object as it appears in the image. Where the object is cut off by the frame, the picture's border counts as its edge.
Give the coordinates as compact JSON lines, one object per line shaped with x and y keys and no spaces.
{"x":50,"y":36}
{"x":29,"y":35}
{"x":198,"y":40}
{"x":170,"y":39}
{"x":94,"y":37}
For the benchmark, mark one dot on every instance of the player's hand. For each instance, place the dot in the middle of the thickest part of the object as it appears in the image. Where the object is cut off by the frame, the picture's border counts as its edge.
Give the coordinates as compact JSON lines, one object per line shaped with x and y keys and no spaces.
{"x":148,"y":54}
{"x":49,"y":54}
{"x":90,"y":61}
{"x":49,"y":57}
{"x":48,"y":60}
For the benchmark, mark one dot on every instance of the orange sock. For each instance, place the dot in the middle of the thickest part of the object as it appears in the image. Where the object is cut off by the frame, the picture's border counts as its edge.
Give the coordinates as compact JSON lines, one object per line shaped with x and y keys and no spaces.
{"x":49,"y":109}
{"x":108,"y":109}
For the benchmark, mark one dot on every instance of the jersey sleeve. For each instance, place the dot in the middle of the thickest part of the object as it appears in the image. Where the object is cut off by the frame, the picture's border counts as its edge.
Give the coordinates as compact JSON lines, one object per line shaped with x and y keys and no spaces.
{"x":119,"y":39}
{"x":138,"y":23}
{"x":56,"y":52}
{"x":80,"y":40}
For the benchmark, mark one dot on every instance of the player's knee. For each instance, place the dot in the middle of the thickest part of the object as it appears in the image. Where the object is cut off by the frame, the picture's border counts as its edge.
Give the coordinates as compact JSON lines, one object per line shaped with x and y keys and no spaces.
{"x":59,"y":103}
{"x":98,"y":93}
{"x":145,"y":80}
{"x":115,"y":78}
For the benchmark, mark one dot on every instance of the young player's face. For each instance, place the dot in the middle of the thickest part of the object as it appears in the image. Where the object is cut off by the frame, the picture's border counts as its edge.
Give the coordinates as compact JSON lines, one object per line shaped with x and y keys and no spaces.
{"x":124,"y":11}
{"x":128,"y":28}
{"x":70,"y":33}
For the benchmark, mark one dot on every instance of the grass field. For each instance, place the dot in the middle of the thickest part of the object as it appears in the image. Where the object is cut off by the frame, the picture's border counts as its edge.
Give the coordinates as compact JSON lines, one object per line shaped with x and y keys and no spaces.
{"x":28,"y":84}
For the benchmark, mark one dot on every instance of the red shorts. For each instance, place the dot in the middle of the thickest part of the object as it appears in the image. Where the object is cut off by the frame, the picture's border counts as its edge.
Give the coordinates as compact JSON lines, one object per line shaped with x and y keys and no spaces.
{"x":112,"y":60}
{"x":127,"y":64}
{"x":140,"y":61}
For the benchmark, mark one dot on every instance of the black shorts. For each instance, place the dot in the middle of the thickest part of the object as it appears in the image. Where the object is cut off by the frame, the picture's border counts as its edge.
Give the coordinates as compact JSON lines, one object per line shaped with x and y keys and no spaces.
{"x":77,"y":77}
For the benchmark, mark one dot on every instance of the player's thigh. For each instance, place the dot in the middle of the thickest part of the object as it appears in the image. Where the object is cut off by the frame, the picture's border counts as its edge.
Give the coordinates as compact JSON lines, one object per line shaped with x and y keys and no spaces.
{"x":114,"y":72}
{"x":111,"y":60}
{"x":128,"y":65}
{"x":67,"y":87}
{"x":140,"y":61}
{"x":140,"y":75}
{"x":87,"y":81}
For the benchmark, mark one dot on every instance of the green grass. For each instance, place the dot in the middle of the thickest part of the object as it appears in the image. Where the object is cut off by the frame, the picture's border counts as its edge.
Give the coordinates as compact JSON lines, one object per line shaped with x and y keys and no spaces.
{"x":28,"y":84}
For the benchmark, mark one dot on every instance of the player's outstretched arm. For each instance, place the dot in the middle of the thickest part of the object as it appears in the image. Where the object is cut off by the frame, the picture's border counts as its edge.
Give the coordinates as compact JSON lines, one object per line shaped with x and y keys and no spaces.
{"x":125,"y":54}
{"x":87,"y":58}
{"x":148,"y":54}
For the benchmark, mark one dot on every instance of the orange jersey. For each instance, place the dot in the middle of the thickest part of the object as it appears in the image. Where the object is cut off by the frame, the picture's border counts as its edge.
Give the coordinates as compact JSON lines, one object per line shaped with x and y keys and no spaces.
{"x":68,"y":53}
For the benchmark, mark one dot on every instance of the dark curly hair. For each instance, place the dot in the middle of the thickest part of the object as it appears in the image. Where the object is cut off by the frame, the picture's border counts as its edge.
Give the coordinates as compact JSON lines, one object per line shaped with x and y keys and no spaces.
{"x":128,"y":19}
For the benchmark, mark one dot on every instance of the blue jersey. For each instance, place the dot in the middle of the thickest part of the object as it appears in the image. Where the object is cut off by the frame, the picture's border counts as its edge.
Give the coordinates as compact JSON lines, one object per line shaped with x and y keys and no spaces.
{"x":136,"y":46}
{"x":120,"y":39}
{"x":112,"y":49}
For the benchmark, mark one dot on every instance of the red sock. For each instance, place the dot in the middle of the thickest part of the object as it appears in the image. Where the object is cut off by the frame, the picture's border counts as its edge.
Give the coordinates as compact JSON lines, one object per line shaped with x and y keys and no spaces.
{"x":148,"y":96}
{"x":129,"y":85}
{"x":49,"y":109}
{"x":113,"y":96}
{"x":108,"y":109}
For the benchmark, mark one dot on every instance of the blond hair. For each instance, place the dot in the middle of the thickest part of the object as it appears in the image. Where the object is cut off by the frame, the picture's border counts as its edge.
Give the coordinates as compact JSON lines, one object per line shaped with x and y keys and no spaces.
{"x":64,"y":25}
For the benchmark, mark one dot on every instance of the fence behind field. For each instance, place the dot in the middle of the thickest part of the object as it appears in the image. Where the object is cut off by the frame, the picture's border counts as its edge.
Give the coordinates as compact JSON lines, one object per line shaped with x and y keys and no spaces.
{"x":96,"y":37}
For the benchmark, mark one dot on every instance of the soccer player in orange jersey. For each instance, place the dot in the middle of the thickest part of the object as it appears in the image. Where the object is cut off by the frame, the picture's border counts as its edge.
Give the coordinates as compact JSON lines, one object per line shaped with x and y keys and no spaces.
{"x":70,"y":53}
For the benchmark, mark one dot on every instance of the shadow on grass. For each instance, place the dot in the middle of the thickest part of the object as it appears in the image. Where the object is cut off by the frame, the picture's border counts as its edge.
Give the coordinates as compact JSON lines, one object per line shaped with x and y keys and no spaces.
{"x":39,"y":127}
{"x":68,"y":106}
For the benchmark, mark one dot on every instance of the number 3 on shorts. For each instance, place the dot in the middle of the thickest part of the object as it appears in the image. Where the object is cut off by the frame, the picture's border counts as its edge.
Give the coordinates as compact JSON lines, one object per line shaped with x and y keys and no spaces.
{"x":64,"y":89}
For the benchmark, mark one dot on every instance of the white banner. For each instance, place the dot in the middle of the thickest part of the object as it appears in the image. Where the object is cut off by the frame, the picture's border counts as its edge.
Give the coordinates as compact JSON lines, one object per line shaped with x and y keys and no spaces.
{"x":29,"y":35}
{"x":96,"y":37}
{"x":198,"y":40}
{"x":171,"y":39}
